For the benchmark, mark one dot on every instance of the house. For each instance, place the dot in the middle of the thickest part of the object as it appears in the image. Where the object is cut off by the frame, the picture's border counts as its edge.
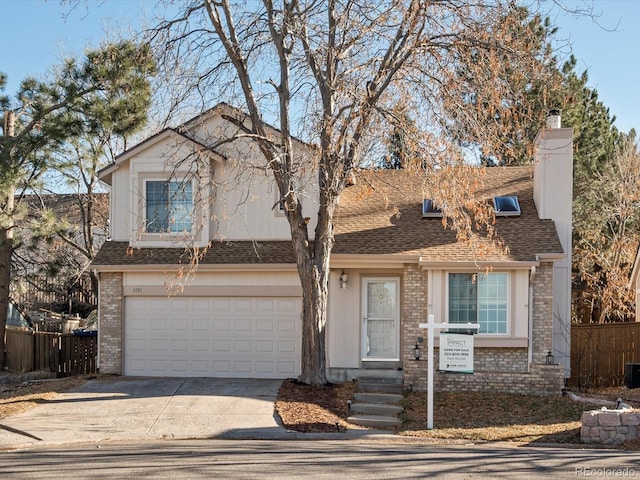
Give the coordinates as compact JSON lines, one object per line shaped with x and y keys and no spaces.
{"x":50,"y":273}
{"x":393,"y":263}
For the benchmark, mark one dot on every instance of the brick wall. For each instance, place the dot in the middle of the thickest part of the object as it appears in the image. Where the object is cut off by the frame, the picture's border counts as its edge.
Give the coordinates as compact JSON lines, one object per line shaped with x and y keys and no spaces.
{"x":542,"y":312}
{"x":414,"y":312}
{"x":496,"y":369}
{"x":540,"y":380}
{"x":110,"y":323}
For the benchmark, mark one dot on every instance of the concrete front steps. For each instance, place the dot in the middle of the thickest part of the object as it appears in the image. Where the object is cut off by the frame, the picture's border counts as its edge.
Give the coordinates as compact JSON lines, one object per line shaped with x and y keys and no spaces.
{"x":376,"y":403}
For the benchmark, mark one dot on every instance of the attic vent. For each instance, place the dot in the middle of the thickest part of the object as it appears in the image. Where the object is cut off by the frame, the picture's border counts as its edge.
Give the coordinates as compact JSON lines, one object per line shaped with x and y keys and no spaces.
{"x":506,"y":206}
{"x":429,"y":210}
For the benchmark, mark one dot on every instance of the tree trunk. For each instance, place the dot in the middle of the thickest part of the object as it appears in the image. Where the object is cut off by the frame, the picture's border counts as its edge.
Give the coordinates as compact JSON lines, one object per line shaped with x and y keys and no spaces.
{"x":313,"y":267}
{"x":314,"y":320}
{"x":6,"y":246}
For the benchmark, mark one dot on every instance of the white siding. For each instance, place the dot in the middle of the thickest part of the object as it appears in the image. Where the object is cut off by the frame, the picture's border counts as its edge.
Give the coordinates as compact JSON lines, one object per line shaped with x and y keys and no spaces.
{"x":344,"y":322}
{"x":242,"y":200}
{"x":284,"y":279}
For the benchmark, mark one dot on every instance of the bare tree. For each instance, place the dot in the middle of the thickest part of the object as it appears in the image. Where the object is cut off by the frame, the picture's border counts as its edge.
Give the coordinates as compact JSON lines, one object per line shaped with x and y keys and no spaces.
{"x":332,"y":73}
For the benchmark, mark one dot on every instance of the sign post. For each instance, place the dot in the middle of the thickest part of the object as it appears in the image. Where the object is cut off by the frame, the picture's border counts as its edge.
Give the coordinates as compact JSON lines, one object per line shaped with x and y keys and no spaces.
{"x":431,"y":326}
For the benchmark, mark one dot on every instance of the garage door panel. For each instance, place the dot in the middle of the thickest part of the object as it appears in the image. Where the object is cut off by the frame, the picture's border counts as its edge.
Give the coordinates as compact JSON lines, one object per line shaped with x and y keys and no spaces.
{"x":201,"y":346}
{"x":265,"y":325}
{"x":221,"y":337}
{"x":242,"y":346}
{"x":263,"y":305}
{"x":264,"y":346}
{"x":222,"y":325}
{"x":243,"y":325}
{"x":222,"y":305}
{"x":287,"y":326}
{"x":155,"y":345}
{"x":286,"y":346}
{"x":200,"y":324}
{"x":223,"y":346}
{"x":288,"y":305}
{"x":264,"y":368}
{"x":222,"y":366}
{"x":178,"y":366}
{"x":243,"y":367}
{"x":200,"y":366}
{"x":287,"y":368}
{"x":243,"y":305}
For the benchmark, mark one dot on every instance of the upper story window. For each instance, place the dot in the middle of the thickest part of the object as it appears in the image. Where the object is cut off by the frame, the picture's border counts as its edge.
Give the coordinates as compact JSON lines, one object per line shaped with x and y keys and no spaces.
{"x":480,"y":298}
{"x":169,"y":205}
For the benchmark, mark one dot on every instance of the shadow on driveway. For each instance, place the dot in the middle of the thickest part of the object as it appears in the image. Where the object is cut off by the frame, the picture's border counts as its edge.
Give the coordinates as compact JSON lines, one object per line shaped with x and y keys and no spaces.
{"x":114,"y":408}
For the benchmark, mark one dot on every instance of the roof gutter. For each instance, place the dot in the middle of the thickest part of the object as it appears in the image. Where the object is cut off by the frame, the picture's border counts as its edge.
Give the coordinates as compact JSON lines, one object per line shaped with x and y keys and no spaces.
{"x":172,"y":267}
{"x":541,"y":257}
{"x":340,"y":260}
{"x":478,"y":265}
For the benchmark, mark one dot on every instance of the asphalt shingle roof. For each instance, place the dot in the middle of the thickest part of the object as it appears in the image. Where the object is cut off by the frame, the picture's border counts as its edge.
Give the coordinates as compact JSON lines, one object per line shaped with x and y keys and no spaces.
{"x":224,"y":253}
{"x":389,"y":220}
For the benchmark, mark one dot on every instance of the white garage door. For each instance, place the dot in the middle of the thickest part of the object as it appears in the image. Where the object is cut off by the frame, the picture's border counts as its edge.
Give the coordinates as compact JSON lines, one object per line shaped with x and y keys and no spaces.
{"x":212,"y":337}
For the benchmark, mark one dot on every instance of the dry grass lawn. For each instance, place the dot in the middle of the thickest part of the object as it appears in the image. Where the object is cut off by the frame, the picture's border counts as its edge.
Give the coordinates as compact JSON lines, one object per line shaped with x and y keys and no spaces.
{"x":474,"y":417}
{"x":19,"y":397}
{"x":495,"y":417}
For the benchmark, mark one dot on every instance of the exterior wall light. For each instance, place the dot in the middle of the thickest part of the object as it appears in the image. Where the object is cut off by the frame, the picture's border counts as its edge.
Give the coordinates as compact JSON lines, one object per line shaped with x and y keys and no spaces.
{"x":416,"y":349}
{"x":549,"y":358}
{"x":344,"y":279}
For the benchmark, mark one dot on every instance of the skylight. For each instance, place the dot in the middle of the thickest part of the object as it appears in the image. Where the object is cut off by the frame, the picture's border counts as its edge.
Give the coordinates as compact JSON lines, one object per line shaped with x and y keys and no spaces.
{"x":430,"y":210}
{"x":506,"y":206}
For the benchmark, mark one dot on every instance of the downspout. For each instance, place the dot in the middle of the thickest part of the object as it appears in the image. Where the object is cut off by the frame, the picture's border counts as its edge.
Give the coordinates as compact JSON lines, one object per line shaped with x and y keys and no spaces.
{"x":532,"y":276}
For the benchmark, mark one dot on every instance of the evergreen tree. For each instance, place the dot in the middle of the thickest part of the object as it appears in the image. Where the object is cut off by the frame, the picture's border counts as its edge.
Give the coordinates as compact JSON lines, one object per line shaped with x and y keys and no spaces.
{"x":607,"y":232}
{"x":107,"y":88}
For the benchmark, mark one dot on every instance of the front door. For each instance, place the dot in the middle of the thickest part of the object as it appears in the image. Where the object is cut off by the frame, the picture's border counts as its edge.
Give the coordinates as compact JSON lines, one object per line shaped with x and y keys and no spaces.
{"x":380,"y":333}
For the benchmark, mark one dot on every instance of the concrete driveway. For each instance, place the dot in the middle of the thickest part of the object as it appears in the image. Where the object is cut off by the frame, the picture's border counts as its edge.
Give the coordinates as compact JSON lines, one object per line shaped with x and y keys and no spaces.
{"x":122,"y":408}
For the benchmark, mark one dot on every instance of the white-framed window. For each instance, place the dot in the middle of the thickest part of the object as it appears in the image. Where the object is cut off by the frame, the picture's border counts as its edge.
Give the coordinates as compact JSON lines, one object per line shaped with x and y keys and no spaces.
{"x":480,"y":298}
{"x":279,"y":202}
{"x":168,"y":206}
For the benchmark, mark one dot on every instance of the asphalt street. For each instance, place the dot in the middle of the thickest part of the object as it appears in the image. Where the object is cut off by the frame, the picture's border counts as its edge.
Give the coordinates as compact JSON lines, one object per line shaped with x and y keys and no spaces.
{"x":278,"y":459}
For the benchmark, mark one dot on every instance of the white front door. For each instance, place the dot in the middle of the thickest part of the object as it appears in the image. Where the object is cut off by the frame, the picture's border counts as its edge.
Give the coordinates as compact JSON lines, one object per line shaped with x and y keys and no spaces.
{"x":381,"y":315}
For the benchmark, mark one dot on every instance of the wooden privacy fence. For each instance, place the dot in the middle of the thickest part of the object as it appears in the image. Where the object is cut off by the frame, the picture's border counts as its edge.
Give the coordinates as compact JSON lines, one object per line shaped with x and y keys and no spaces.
{"x":599,"y":353}
{"x":64,"y":354}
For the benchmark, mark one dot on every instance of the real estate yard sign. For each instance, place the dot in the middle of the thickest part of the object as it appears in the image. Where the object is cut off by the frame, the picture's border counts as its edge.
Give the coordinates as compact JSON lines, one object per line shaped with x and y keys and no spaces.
{"x":456,"y":352}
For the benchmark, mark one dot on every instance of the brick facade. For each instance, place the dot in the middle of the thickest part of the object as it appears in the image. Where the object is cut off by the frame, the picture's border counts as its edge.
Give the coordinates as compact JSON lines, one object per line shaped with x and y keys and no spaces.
{"x":495,"y":369}
{"x":415,"y":307}
{"x":542,"y":325}
{"x":110,"y":323}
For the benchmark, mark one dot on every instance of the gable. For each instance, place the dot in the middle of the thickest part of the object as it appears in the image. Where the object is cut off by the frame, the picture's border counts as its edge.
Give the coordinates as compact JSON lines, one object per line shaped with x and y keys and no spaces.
{"x":234,"y":192}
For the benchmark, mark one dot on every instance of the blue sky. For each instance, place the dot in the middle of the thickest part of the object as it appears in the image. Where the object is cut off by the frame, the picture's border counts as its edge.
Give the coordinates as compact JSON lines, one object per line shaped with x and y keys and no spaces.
{"x":35,"y":34}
